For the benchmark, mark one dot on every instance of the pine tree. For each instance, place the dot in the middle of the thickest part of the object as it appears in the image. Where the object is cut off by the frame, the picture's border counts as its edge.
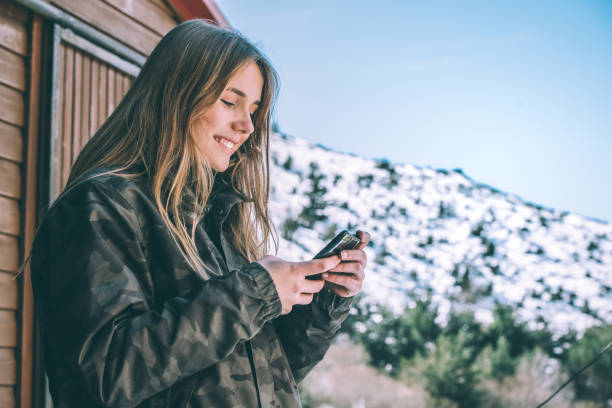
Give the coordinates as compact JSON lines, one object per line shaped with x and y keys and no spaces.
{"x":313,"y":212}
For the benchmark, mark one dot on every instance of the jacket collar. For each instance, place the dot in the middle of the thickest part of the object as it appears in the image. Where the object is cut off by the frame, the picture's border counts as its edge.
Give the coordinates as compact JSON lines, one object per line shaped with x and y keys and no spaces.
{"x":224,"y":194}
{"x":221,"y":200}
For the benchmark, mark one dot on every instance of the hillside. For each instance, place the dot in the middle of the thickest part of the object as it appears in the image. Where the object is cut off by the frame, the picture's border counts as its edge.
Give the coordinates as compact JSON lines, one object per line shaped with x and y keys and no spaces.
{"x":440,"y":234}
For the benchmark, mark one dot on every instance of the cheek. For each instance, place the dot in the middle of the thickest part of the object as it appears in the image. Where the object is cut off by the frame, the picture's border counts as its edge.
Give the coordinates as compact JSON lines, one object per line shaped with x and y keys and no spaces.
{"x":214,"y":118}
{"x":199,"y":129}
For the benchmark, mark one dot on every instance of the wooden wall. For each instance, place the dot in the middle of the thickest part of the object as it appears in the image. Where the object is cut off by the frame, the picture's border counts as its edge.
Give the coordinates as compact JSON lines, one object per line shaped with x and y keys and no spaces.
{"x":89,"y":90}
{"x":90,"y":87}
{"x":13,"y":52}
{"x":139,"y":24}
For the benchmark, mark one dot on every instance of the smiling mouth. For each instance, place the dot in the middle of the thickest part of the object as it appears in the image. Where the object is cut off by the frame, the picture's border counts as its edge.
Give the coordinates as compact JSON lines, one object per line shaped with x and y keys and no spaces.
{"x":225,"y":142}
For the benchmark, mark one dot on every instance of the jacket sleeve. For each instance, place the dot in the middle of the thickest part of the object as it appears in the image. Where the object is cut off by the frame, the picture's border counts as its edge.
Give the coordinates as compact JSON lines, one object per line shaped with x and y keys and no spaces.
{"x":88,"y":266}
{"x":307,"y":332}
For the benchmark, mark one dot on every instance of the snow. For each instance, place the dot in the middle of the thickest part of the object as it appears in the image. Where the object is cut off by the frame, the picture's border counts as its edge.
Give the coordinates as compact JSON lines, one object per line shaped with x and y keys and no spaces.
{"x":427,"y":223}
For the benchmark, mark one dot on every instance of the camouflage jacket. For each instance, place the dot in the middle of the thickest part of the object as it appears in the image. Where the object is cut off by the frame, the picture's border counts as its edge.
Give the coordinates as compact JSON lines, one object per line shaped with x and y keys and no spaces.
{"x":125,"y":322}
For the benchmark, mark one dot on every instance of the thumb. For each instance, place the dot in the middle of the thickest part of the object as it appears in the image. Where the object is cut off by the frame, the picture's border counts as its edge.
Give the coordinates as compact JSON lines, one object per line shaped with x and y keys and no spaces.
{"x":316,"y":266}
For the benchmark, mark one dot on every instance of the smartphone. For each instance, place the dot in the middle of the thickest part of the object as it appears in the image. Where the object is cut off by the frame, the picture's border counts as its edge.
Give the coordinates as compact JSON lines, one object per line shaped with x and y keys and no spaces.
{"x":342,"y":241}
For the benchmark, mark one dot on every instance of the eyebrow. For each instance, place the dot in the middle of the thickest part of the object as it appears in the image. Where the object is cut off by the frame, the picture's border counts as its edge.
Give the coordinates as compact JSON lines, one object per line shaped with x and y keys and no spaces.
{"x":240,"y":93}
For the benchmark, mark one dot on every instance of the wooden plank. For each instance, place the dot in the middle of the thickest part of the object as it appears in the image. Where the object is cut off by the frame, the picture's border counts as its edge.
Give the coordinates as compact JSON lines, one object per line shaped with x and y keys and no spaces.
{"x":8,"y":365}
{"x":100,"y":53}
{"x":86,"y":108}
{"x":147,"y":14}
{"x":67,"y":107}
{"x":59,"y":116}
{"x":10,"y":182}
{"x":7,"y":396}
{"x":11,"y":105}
{"x":8,"y":328}
{"x":11,"y":142}
{"x":8,"y":291}
{"x":12,"y":69}
{"x":9,"y":253}
{"x":161,"y":4}
{"x":14,"y":11}
{"x":110,"y":91}
{"x":127,"y":82}
{"x":118,"y":87}
{"x":77,"y":105}
{"x":13,"y":34}
{"x":122,"y":87}
{"x":9,"y":216}
{"x":30,"y":381}
{"x":102,"y":94}
{"x":114,"y":23}
{"x":93,"y":94}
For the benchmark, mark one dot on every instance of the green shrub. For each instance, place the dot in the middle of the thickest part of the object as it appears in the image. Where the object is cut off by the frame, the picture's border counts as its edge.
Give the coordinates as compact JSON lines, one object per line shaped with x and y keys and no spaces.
{"x":289,"y":227}
{"x":474,"y":336}
{"x":455,"y":361}
{"x":450,"y":372}
{"x":306,"y":398}
{"x":496,"y":362}
{"x":313,"y":211}
{"x":519,"y":337}
{"x":393,"y":180}
{"x":365,"y":181}
{"x":595,"y":383}
{"x":330,"y":232}
{"x":387,"y":338}
{"x":446,"y":210}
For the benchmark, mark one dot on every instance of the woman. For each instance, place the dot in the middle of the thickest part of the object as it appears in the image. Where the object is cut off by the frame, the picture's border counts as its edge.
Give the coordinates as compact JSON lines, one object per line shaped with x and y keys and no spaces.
{"x":149,"y":275}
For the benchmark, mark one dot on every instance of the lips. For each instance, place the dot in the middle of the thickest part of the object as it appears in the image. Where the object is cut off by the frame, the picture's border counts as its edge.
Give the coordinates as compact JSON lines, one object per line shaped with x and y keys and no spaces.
{"x":227,"y":143}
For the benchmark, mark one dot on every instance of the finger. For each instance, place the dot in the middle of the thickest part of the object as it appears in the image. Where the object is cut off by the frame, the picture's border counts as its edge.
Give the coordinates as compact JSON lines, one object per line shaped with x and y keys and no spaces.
{"x":347,"y":281}
{"x":344,"y":279}
{"x":304,"y":298}
{"x":312,"y":286}
{"x":286,"y":309}
{"x":347,"y":267}
{"x":353,"y":267}
{"x":315,"y":266}
{"x":354,"y":255}
{"x":339,"y":290}
{"x":364,"y":237}
{"x":358,"y":276}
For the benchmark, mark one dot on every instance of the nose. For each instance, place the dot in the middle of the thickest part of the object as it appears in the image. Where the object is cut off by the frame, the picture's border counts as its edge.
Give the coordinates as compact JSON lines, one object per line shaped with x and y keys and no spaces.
{"x":244,"y":124}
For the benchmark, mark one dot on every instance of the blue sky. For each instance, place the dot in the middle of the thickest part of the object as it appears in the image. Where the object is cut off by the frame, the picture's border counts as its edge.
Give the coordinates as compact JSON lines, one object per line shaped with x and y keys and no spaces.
{"x":518,"y":94}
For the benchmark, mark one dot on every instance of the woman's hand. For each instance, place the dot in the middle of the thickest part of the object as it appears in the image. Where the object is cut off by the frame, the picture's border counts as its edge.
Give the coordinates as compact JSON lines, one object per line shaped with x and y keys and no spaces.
{"x":349,"y":279}
{"x":290,"y":278}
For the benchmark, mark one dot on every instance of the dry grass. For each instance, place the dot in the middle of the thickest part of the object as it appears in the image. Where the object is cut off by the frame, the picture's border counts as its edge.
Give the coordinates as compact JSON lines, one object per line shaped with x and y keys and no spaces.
{"x":344,"y":380}
{"x":537,"y":377}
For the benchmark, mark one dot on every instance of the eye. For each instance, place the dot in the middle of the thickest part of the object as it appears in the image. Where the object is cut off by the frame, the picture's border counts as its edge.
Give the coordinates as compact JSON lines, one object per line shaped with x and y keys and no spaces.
{"x":228,"y":103}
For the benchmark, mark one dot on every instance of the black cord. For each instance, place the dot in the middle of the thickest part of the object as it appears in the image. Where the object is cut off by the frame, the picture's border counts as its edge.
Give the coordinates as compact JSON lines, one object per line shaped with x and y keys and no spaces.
{"x":601,"y":353}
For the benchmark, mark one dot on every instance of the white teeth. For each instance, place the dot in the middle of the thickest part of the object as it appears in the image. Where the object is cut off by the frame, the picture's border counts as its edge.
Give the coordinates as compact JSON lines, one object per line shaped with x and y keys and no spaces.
{"x":225,"y":143}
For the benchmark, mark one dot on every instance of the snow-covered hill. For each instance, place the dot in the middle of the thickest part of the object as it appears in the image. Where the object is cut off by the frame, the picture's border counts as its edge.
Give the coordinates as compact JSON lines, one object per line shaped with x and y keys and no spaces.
{"x":439,"y":233}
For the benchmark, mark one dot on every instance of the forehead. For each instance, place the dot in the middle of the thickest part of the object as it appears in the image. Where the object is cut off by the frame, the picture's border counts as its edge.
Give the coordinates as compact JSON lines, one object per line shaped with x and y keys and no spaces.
{"x":248,"y":80}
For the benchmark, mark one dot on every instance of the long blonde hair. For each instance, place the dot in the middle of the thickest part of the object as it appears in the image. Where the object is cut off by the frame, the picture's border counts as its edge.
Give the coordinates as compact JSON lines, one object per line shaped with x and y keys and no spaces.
{"x":151,"y":130}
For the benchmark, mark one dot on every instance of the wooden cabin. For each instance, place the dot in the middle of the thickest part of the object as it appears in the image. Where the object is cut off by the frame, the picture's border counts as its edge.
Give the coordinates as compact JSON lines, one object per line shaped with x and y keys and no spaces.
{"x":64,"y":66}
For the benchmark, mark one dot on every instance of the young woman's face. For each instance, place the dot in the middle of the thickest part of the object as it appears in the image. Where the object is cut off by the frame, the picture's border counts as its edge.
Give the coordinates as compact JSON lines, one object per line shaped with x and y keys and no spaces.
{"x":220,"y":131}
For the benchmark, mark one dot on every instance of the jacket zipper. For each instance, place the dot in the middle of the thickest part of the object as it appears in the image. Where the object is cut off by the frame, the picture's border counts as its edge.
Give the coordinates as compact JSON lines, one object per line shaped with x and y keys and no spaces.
{"x":252,"y":362}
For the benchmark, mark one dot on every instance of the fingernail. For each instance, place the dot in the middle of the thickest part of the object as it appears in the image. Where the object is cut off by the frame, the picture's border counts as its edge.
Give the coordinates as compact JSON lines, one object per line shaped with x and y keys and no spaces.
{"x":325,"y":275}
{"x":343,"y":255}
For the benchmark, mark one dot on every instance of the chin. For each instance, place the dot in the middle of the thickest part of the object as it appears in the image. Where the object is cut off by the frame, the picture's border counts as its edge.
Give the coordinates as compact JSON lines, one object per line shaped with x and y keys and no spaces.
{"x":220,"y":168}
